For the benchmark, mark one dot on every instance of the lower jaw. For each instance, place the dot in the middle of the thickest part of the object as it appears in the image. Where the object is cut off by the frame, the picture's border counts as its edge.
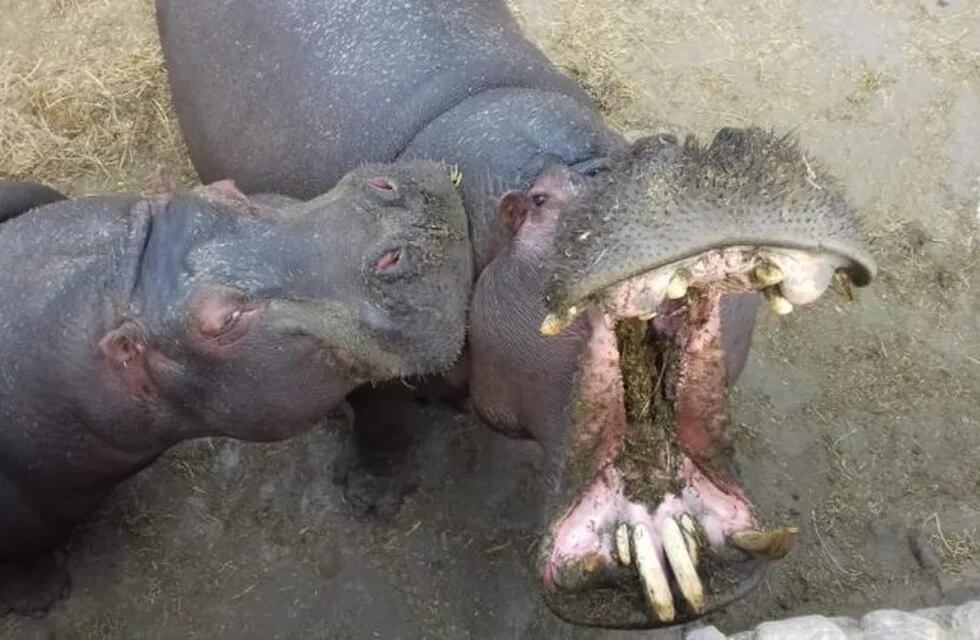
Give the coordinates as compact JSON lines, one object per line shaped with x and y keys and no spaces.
{"x":645,"y":470}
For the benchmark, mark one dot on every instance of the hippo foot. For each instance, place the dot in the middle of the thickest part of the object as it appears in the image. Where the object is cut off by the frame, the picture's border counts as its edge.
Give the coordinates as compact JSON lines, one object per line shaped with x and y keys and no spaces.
{"x":30,"y":586}
{"x":375,"y":482}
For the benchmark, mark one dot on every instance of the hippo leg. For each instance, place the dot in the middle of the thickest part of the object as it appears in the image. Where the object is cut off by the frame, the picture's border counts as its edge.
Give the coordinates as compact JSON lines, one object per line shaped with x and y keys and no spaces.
{"x":377,"y":467}
{"x":30,"y":585}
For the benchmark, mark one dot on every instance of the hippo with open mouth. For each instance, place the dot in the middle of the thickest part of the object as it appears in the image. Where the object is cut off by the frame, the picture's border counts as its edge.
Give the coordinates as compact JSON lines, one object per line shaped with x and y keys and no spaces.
{"x":617,"y":283}
{"x":624,"y":337}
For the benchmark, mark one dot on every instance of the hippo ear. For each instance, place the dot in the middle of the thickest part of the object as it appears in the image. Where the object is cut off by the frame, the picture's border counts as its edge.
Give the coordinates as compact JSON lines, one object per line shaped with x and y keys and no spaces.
{"x":125,"y":347}
{"x":513,"y":210}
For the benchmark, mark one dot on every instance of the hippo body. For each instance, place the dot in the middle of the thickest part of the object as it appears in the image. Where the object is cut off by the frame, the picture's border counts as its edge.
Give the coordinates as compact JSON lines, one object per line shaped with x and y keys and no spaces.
{"x":315,"y":86}
{"x":130,"y":324}
{"x":295,"y":94}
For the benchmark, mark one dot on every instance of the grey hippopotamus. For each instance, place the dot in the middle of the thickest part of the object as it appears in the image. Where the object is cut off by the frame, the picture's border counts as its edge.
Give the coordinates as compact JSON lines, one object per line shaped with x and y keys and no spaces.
{"x":603,"y":267}
{"x":129,"y":324}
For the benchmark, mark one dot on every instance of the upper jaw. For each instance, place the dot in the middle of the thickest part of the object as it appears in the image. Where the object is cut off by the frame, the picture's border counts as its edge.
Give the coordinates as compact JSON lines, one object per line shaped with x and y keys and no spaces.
{"x":667,"y":204}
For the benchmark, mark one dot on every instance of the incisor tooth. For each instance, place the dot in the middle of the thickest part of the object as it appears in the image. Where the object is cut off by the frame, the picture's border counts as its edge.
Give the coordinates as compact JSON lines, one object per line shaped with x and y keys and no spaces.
{"x":767,"y":275}
{"x":691,"y":538}
{"x":656,"y":590}
{"x":677,"y":288}
{"x":773,"y":544}
{"x":555,"y":323}
{"x":687,"y":576}
{"x":780,"y":305}
{"x":623,"y":545}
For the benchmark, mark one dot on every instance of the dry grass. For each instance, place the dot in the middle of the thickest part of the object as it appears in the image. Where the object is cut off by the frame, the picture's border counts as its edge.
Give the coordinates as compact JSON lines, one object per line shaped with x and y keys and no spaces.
{"x":100,"y":115}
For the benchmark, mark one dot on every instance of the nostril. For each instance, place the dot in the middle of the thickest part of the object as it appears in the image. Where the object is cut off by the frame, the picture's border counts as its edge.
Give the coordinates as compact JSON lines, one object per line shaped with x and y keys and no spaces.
{"x":381,"y":184}
{"x":388,"y":261}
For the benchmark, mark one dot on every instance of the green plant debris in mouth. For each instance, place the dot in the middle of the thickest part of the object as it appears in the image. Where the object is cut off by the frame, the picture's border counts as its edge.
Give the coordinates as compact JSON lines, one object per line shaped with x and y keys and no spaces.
{"x":648,"y":462}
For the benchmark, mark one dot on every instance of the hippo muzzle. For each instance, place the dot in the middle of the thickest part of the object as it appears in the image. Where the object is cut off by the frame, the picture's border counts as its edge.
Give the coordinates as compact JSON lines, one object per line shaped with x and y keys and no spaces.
{"x":655,"y":261}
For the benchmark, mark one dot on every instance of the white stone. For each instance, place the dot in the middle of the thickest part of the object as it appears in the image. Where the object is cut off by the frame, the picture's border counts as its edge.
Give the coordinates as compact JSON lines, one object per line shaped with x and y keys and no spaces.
{"x":801,"y":628}
{"x":891,"y":624}
{"x":966,"y":621}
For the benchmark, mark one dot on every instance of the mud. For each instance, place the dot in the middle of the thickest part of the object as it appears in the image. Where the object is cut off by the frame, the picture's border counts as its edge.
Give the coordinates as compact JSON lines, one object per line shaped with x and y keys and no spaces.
{"x":856,"y":421}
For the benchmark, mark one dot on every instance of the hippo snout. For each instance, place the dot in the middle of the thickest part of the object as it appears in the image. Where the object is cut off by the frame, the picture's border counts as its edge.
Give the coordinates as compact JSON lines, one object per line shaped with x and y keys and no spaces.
{"x":665,"y":204}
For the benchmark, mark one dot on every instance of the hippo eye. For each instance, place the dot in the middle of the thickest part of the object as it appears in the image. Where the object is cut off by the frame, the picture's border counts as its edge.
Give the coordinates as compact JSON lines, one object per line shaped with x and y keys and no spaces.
{"x":231,"y":319}
{"x":539,"y":199}
{"x":381,"y":184}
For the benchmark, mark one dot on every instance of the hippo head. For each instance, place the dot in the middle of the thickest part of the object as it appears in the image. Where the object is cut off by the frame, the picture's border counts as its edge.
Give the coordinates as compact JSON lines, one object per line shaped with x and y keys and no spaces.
{"x":657,"y":267}
{"x":255,"y":323}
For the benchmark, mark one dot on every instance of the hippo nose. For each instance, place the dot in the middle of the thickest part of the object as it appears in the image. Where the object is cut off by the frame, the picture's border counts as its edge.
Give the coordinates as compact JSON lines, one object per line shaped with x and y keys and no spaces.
{"x":390,"y":262}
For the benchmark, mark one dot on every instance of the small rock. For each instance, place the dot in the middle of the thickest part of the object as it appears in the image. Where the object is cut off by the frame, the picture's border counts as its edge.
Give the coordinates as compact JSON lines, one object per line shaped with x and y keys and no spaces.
{"x":942,"y":616}
{"x":850,"y":626}
{"x":801,"y":628}
{"x":890,"y":624}
{"x":966,"y":620}
{"x":705,"y":633}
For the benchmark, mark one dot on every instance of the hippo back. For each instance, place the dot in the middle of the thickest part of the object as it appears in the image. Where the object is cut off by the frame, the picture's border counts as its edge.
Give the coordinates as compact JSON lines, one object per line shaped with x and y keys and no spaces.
{"x":321,"y":86}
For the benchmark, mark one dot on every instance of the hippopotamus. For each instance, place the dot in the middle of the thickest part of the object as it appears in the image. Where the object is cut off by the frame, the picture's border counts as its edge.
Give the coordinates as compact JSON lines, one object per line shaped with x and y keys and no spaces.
{"x":129,"y":324}
{"x":616,"y":283}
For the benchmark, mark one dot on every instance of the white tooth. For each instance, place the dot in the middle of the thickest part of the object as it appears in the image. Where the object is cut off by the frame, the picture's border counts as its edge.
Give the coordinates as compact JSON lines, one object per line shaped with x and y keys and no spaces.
{"x":652,"y":576}
{"x":768,"y":274}
{"x":678,"y":285}
{"x":623,"y":545}
{"x":646,"y":317}
{"x":806,"y":275}
{"x":780,"y":305}
{"x":687,"y":576}
{"x":690,"y":537}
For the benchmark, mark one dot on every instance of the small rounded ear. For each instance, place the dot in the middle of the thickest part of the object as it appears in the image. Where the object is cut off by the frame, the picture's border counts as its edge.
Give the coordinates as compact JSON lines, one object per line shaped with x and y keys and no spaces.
{"x":126,"y":349}
{"x":124,"y":344}
{"x":514,"y":208}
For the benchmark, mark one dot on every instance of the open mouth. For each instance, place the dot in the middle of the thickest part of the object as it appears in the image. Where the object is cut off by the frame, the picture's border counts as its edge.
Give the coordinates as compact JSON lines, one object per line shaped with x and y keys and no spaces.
{"x":659,"y":532}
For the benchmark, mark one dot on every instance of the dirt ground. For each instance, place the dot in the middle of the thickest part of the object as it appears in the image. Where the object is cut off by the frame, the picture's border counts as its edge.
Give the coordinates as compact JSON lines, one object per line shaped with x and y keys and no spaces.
{"x":858,"y":421}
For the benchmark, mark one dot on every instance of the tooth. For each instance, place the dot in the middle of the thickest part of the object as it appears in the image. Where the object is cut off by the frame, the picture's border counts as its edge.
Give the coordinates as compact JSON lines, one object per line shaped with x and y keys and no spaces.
{"x":690,"y":537}
{"x":678,"y":284}
{"x":773,"y":544}
{"x":623,"y":545}
{"x":555,"y":323}
{"x":687,"y":576}
{"x":646,"y":317}
{"x":766,"y":275}
{"x":652,"y":576}
{"x":780,"y":305}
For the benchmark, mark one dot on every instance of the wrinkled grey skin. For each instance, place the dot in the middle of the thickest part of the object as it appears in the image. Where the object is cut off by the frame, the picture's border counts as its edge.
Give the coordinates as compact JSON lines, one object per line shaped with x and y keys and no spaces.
{"x":128,"y":325}
{"x":286,"y":96}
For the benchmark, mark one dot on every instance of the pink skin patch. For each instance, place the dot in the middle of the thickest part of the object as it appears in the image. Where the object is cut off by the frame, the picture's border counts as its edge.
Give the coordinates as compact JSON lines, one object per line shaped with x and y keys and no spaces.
{"x":388,"y":261}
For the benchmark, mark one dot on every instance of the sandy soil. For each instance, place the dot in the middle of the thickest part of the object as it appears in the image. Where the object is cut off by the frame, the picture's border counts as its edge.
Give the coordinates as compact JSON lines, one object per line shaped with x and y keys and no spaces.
{"x":859,"y":421}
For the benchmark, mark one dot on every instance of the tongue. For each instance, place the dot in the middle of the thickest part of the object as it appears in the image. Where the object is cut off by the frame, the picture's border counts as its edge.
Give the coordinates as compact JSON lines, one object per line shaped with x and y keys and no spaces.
{"x":698,"y":383}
